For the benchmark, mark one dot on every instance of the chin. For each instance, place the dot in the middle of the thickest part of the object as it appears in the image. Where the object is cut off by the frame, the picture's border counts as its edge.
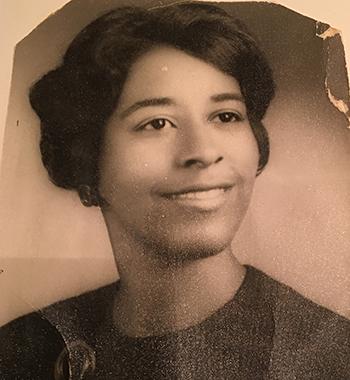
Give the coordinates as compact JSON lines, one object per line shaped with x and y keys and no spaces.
{"x":180,"y":248}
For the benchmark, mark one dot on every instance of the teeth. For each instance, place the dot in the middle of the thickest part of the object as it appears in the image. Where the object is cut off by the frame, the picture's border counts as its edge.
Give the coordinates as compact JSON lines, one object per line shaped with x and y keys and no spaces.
{"x":208,"y":194}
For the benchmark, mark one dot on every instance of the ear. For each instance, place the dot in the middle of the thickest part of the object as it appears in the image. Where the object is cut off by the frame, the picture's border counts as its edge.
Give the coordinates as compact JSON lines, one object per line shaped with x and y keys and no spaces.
{"x":88,"y":195}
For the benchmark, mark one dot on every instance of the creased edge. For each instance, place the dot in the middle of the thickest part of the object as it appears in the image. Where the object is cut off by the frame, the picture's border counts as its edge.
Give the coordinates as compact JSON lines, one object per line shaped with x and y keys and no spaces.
{"x":328,"y":33}
{"x":339,"y":104}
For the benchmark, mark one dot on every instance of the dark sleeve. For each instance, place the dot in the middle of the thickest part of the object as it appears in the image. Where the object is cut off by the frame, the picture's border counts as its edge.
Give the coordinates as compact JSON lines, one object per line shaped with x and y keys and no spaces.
{"x":29,"y":348}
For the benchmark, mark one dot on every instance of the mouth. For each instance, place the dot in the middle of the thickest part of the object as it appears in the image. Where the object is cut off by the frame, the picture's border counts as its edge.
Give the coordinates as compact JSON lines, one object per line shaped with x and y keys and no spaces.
{"x":197,"y":194}
{"x":202,"y":198}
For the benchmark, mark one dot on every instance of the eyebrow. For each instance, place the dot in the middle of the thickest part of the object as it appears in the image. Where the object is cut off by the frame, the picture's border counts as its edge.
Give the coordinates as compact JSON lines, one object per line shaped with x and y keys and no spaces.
{"x":147,"y":103}
{"x":227,"y":96}
{"x":164,"y":101}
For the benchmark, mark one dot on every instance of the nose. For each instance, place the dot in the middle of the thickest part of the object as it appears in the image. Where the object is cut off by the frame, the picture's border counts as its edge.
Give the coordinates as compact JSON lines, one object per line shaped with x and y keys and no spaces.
{"x":197,"y":147}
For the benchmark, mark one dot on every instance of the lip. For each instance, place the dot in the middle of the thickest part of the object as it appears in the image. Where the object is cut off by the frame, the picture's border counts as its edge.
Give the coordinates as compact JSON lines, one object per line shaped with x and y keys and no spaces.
{"x":196,"y":188}
{"x":202,"y":197}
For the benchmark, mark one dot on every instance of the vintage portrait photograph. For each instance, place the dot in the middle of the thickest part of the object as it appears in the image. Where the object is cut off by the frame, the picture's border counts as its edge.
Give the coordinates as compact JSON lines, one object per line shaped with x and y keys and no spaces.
{"x":175,"y":194}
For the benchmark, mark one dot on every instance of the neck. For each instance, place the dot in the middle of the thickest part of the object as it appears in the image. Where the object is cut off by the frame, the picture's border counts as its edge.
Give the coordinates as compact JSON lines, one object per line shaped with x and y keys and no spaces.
{"x":155,"y":298}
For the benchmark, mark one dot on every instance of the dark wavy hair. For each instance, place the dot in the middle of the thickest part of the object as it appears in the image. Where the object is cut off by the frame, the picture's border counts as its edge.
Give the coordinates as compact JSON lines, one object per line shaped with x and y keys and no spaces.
{"x":75,"y":100}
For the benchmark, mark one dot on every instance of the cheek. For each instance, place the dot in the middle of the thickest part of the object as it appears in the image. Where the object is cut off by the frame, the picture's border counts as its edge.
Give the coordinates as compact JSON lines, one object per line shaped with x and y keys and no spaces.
{"x":244,"y":154}
{"x":130,"y":166}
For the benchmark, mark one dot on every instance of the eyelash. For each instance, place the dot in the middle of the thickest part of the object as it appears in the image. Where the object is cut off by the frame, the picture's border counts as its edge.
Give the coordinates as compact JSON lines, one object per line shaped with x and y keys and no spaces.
{"x":233,"y":117}
{"x":143,"y":127}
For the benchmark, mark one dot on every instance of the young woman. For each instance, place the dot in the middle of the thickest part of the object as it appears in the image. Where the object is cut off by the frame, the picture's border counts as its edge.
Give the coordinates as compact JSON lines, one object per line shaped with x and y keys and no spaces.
{"x":156,"y":116}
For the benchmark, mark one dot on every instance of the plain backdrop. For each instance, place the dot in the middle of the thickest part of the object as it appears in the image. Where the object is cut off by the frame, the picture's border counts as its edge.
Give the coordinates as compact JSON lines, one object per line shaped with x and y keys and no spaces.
{"x":298,"y":226}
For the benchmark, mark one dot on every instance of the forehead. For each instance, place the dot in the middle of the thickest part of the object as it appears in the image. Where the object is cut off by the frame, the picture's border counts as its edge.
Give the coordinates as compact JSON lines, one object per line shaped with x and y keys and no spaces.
{"x":165,"y":71}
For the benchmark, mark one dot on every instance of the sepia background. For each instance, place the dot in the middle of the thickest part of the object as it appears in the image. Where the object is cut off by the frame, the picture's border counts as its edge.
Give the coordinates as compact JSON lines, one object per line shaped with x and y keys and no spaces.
{"x":298,"y":225}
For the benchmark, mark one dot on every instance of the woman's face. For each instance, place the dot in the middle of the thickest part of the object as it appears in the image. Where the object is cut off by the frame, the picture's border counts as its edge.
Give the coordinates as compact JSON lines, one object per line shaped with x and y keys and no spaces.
{"x":179,"y":157}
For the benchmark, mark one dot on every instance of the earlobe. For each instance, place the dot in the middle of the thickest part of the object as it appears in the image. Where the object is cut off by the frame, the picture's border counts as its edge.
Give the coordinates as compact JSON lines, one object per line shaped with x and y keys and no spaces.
{"x":88,"y":196}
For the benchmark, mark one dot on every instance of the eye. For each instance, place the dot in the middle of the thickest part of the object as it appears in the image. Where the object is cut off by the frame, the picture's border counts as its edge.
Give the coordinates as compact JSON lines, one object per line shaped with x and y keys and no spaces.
{"x":228,"y":117}
{"x":156,"y":124}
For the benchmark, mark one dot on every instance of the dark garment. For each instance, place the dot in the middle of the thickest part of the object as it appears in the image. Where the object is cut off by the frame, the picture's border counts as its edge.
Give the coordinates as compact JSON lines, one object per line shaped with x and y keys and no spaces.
{"x":267,"y":331}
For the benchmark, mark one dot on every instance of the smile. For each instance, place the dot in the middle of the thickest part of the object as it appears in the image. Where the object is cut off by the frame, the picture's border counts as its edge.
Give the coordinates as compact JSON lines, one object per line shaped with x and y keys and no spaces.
{"x":209,"y":199}
{"x":201,"y":194}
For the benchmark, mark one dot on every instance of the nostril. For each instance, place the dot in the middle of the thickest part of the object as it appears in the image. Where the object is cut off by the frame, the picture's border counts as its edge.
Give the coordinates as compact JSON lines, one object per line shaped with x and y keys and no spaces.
{"x":191,"y":162}
{"x":201,"y":162}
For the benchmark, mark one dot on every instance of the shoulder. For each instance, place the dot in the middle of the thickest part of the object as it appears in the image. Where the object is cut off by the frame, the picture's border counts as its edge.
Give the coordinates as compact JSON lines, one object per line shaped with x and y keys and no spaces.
{"x":308,"y":338}
{"x":289,"y":303}
{"x":31,"y":344}
{"x":81,"y":313}
{"x":302,"y":315}
{"x":29,"y":347}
